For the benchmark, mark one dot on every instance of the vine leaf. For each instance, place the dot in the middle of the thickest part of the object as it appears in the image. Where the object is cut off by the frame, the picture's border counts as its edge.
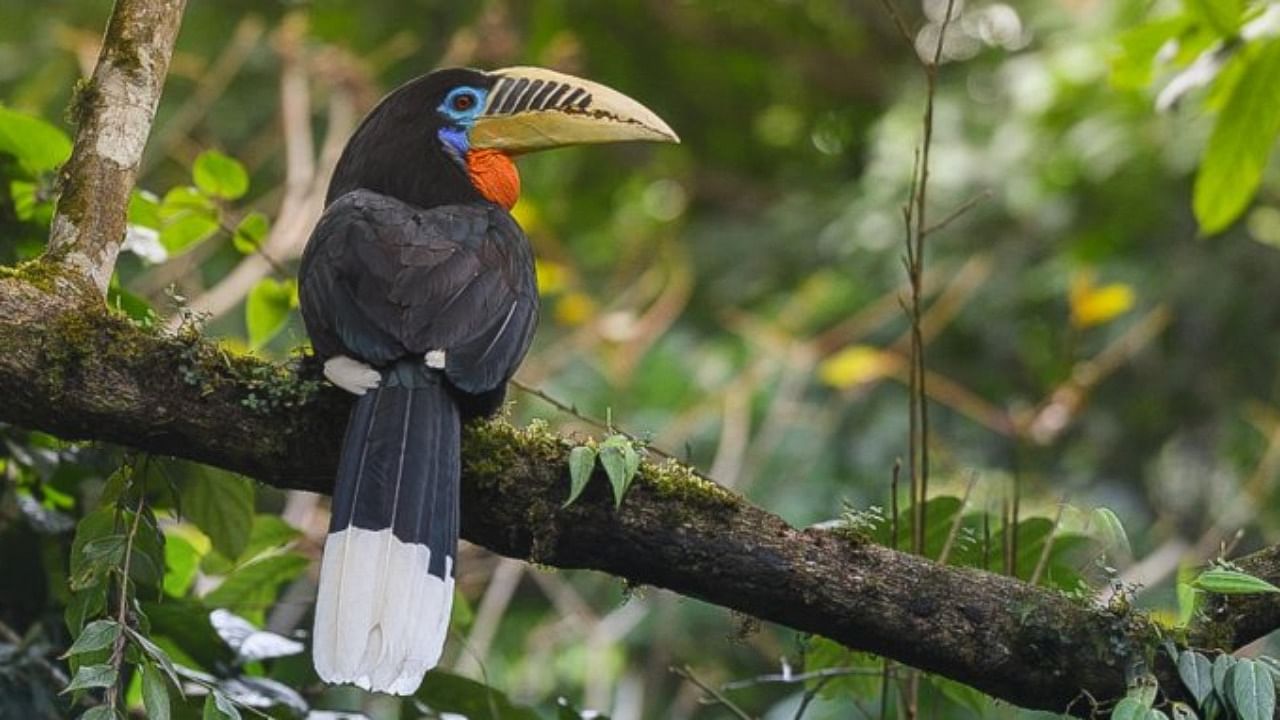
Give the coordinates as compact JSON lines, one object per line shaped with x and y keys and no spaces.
{"x":1231,"y":582}
{"x":620,"y":461}
{"x":1253,"y":692}
{"x":97,"y":635}
{"x":582,"y":460}
{"x":1197,"y":674}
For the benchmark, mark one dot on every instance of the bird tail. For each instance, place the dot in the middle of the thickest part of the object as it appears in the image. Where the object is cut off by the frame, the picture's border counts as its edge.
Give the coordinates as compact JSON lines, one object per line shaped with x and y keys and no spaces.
{"x":386,"y":580}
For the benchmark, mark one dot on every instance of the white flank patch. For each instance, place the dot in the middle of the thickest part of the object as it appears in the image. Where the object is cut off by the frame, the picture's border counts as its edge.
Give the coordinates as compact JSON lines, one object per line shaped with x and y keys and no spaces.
{"x":381,"y":618}
{"x":351,"y":375}
{"x":434,"y":359}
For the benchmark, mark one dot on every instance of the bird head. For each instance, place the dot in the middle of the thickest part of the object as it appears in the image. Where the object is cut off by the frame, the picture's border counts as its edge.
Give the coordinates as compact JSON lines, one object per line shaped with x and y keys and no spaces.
{"x":455,"y":132}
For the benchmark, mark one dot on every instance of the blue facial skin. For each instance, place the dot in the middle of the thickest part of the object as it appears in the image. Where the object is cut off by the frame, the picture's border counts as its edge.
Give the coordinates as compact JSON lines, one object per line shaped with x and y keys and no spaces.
{"x":460,"y":120}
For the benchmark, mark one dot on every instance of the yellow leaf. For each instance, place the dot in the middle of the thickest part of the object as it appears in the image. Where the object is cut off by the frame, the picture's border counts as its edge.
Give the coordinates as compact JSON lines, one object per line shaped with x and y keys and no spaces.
{"x":854,"y":365}
{"x":575,"y":308}
{"x":1095,"y":305}
{"x":552,"y":276}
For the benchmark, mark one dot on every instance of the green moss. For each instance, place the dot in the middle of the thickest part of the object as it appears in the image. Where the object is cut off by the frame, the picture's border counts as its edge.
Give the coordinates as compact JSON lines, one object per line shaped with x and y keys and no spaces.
{"x":677,"y":481}
{"x":38,"y":273}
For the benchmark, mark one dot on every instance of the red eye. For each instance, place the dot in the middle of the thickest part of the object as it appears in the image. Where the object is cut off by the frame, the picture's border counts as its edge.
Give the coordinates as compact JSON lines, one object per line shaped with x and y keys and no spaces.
{"x":464,"y":101}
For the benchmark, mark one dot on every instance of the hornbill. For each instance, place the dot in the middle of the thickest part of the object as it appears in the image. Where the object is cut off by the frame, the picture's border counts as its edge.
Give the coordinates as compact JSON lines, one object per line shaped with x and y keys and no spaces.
{"x":417,"y":290}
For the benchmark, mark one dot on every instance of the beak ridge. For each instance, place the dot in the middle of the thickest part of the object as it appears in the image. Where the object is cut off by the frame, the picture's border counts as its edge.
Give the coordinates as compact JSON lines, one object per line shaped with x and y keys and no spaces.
{"x":532,"y":108}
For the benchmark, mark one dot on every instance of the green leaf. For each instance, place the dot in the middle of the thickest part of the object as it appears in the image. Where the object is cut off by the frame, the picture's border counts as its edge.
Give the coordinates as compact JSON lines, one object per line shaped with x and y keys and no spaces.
{"x":1154,"y":714}
{"x":267,"y":309}
{"x":97,"y":525}
{"x":1241,"y":142}
{"x":1253,"y":692}
{"x":92,"y":676}
{"x":220,"y":176}
{"x":582,"y":460}
{"x":219,"y":707}
{"x":620,"y":461}
{"x":1144,"y":690}
{"x":269,"y":533}
{"x":448,"y":693}
{"x":186,"y":199}
{"x":252,"y":586}
{"x":1231,"y":582}
{"x":1110,"y":531}
{"x":1129,"y":709}
{"x":97,"y":635}
{"x":181,"y":561}
{"x":186,"y":231}
{"x":38,"y":146}
{"x":1224,"y":16}
{"x":250,"y":233}
{"x":1132,"y":64}
{"x":144,"y":210}
{"x":219,"y":503}
{"x":157,"y":655}
{"x":100,"y":712}
{"x":155,"y":694}
{"x":1197,"y":674}
{"x":1221,"y":667}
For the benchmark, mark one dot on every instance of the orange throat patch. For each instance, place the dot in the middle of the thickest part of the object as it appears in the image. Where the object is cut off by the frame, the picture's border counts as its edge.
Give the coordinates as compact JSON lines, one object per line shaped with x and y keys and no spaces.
{"x":494,"y":174}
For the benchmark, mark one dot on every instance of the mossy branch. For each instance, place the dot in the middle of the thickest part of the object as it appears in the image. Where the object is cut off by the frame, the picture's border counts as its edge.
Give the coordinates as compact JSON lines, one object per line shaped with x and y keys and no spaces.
{"x":76,"y":370}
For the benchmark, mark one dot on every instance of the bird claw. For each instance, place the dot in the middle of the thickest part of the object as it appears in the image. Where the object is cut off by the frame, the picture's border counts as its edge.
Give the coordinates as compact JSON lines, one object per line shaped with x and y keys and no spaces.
{"x":434,"y":359}
{"x":351,"y":375}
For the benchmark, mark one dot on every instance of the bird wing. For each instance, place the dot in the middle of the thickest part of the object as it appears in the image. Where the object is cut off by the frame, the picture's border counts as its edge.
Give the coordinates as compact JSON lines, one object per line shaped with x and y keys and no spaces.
{"x":382,"y":280}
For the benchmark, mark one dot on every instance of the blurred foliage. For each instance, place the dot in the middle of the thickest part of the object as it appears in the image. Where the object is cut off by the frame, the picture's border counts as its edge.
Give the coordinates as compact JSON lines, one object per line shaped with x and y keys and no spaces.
{"x":1102,"y":325}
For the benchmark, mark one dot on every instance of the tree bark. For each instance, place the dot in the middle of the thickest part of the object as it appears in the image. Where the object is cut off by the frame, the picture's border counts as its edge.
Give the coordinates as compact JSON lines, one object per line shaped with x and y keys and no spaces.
{"x":114,"y":110}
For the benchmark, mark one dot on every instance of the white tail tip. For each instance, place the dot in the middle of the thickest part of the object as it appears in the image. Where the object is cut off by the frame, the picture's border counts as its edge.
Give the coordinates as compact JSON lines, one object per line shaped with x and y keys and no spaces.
{"x":381,"y":617}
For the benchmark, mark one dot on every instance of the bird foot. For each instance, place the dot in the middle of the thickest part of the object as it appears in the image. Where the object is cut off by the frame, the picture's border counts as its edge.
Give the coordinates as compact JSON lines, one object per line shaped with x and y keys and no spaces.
{"x":434,"y":359}
{"x":351,"y":375}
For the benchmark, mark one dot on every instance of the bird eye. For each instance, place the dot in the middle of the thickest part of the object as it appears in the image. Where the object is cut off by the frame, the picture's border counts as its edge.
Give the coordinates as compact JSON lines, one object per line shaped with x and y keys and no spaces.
{"x":464,"y":101}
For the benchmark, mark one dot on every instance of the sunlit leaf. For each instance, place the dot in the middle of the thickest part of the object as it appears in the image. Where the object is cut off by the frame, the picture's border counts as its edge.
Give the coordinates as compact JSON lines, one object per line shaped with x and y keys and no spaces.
{"x":219,"y":175}
{"x":267,"y":309}
{"x":181,"y":560}
{"x":1240,"y":145}
{"x":250,"y":233}
{"x":38,"y":146}
{"x":1231,"y":582}
{"x":186,"y":231}
{"x":856,"y":365}
{"x":1096,"y":305}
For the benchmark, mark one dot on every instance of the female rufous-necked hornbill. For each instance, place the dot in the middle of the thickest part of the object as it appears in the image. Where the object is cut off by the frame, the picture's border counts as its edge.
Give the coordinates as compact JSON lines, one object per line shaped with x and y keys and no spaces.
{"x":417,"y":289}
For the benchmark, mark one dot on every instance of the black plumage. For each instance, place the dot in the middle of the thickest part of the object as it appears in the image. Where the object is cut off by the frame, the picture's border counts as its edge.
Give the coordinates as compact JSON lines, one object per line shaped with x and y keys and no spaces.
{"x":407,"y":259}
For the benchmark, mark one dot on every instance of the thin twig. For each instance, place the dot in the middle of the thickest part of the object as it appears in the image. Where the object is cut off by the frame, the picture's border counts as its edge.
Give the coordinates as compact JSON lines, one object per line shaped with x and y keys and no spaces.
{"x":687,"y":673}
{"x":1043,"y":562}
{"x":117,"y":650}
{"x":960,"y":211}
{"x":792,"y":678}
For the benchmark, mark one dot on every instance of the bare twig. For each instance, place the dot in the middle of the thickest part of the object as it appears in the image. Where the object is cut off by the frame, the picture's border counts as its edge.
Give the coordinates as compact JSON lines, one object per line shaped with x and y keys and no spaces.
{"x":1047,"y":550}
{"x":719,"y":697}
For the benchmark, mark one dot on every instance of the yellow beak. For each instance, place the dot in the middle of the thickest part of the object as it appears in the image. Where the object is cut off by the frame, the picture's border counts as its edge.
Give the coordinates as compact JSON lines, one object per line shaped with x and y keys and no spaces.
{"x":533,"y":108}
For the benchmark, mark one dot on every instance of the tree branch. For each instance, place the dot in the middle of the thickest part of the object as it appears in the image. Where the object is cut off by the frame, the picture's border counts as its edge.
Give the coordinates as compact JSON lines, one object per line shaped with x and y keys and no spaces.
{"x":78,"y":371}
{"x":114,"y":110}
